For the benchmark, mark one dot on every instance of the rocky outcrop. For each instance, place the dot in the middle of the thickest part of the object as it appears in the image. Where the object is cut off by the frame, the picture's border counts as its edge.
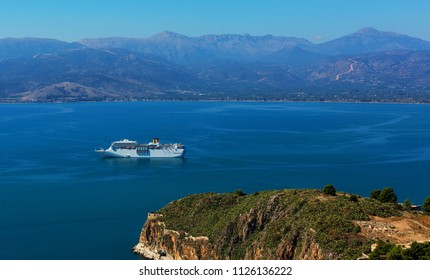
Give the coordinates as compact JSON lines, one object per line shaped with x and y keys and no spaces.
{"x":273,"y":225}
{"x":251,"y":228}
{"x":157,"y":242}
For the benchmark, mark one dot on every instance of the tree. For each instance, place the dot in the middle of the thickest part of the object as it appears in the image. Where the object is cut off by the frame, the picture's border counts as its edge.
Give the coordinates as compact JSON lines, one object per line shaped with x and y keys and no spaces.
{"x":417,"y":251}
{"x":329,"y":189}
{"x":354,"y":198}
{"x":375,"y":194}
{"x":388,"y":195}
{"x":239,"y":192}
{"x":381,"y":251}
{"x":426,"y":205}
{"x":396,"y":253}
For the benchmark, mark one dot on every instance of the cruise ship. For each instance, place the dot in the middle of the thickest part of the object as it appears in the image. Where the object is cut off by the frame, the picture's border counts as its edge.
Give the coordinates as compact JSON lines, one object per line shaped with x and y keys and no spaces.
{"x":132,"y":149}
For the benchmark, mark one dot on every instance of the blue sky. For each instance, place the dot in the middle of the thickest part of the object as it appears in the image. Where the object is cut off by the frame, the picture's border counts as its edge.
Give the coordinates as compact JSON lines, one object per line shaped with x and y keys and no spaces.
{"x":315,"y":20}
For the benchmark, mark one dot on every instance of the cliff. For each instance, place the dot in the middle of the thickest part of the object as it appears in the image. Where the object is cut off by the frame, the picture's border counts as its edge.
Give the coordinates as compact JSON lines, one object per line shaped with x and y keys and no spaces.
{"x":285,"y":224}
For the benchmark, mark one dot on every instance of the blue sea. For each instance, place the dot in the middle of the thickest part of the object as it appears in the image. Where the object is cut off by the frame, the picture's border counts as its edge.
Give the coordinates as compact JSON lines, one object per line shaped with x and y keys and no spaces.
{"x":60,"y":200}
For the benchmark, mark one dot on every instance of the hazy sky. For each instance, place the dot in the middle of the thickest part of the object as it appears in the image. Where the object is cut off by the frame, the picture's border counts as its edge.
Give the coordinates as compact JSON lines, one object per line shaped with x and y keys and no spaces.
{"x":315,"y":20}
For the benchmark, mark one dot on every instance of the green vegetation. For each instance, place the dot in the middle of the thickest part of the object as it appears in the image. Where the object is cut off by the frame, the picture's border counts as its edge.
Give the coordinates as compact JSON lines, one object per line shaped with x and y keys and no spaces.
{"x":239,"y":192}
{"x":354,"y":198}
{"x":388,"y":251}
{"x":236,"y":222}
{"x":388,"y":196}
{"x":385,"y":195}
{"x":329,"y":190}
{"x":426,"y":205}
{"x":375,"y":194}
{"x":407,"y":205}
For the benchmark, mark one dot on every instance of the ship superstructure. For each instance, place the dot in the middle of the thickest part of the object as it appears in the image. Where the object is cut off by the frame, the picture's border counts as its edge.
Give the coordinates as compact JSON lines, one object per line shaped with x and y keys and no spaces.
{"x":132,"y":149}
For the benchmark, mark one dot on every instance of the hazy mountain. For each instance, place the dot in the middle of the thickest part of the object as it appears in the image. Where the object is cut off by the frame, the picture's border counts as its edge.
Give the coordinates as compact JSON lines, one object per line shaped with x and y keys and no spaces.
{"x":111,"y":72}
{"x":170,"y":46}
{"x":27,"y":47}
{"x":295,"y":57}
{"x":181,"y":49}
{"x":366,"y":65}
{"x":393,"y":67}
{"x":370,"y":40}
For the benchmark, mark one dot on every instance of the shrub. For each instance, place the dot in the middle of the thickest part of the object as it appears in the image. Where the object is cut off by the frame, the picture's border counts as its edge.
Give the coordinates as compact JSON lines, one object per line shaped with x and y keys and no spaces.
{"x":239,"y":192}
{"x":385,"y":195}
{"x":396,"y":253}
{"x":329,"y":189}
{"x":388,"y":195}
{"x":407,"y":205}
{"x":381,"y":251}
{"x":375,"y":194}
{"x":354,"y":198}
{"x":417,"y":251}
{"x":426,"y":205}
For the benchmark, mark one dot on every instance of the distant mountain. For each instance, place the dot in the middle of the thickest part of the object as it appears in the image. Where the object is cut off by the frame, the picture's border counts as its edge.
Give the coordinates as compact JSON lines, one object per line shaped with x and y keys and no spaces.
{"x":368,"y":65}
{"x":295,"y":57}
{"x":185,"y":50}
{"x":370,"y":40}
{"x":383,"y":70}
{"x":112,"y":73}
{"x":11,"y":48}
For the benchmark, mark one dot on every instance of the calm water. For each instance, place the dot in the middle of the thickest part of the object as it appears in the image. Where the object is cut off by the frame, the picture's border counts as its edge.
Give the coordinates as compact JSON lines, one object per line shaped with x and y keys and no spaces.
{"x":59,"y":200}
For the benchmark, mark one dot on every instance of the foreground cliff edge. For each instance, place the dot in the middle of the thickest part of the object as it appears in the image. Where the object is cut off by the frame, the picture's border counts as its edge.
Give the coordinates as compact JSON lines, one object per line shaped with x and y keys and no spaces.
{"x":283,"y":224}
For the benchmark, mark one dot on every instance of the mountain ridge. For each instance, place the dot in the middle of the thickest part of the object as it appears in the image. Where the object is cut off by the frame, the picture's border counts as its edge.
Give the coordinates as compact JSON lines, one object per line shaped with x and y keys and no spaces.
{"x":368,"y":65}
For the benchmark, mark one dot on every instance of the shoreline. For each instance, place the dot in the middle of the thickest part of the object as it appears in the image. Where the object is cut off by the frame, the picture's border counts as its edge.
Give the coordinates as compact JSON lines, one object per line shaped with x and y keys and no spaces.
{"x":219,"y":101}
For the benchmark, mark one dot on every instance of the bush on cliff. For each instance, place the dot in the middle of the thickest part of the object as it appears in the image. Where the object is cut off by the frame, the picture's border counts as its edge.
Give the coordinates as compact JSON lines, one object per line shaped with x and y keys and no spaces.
{"x":375,"y":194}
{"x":329,"y":189}
{"x":354,"y":197}
{"x":239,"y":192}
{"x":385,"y":195}
{"x":388,"y":196}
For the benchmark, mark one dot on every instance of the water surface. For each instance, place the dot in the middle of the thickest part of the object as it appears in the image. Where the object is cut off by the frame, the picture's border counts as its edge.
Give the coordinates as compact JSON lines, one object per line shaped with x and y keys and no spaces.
{"x":59,"y":200}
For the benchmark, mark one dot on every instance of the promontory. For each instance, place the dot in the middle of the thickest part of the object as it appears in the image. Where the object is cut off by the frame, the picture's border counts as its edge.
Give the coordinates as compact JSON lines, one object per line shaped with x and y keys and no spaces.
{"x":280,"y":224}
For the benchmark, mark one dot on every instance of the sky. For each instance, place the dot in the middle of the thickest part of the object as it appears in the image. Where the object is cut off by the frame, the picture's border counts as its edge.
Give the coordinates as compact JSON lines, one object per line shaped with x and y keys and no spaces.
{"x":315,"y":20}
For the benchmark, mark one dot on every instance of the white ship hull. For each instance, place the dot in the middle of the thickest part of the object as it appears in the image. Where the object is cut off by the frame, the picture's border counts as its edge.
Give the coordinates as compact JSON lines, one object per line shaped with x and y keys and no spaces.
{"x":132,"y":149}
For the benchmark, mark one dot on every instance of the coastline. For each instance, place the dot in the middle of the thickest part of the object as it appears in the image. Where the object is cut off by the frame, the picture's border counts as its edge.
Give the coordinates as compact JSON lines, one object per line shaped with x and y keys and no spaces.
{"x":219,"y":100}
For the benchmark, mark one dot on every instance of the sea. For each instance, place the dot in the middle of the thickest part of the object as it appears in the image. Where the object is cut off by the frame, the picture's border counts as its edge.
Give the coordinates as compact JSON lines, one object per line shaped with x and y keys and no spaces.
{"x":60,"y":200}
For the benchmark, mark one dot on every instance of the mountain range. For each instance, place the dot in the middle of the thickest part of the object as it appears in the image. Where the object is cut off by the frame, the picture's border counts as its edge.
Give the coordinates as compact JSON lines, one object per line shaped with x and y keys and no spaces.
{"x":368,"y":65}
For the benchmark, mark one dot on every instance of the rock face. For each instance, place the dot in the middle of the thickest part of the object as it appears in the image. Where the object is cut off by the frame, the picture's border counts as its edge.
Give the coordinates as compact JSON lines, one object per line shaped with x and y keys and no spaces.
{"x":157,"y":242}
{"x":273,"y":225}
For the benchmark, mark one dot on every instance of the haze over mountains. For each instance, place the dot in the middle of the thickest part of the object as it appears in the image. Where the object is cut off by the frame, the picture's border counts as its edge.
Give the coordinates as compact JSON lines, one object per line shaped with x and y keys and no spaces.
{"x":368,"y":65}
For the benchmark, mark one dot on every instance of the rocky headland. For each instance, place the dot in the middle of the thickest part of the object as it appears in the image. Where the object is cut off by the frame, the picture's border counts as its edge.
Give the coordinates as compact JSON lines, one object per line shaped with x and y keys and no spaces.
{"x":284,"y":224}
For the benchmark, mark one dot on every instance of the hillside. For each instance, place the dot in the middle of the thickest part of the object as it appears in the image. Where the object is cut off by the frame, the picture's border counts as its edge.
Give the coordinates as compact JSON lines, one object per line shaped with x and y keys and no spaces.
{"x":368,"y":65}
{"x":284,"y":224}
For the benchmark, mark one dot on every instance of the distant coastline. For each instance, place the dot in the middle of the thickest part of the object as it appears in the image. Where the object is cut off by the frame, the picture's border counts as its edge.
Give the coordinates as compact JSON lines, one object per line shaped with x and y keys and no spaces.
{"x":263,"y":100}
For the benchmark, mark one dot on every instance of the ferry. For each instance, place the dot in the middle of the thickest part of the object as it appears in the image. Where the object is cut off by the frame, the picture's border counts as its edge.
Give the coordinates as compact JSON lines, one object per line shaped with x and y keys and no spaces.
{"x":132,"y":149}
